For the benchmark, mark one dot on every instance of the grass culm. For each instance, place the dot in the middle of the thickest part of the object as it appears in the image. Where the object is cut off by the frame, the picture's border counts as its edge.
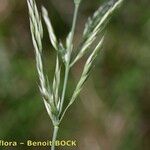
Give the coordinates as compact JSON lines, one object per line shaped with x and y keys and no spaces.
{"x":52,"y":96}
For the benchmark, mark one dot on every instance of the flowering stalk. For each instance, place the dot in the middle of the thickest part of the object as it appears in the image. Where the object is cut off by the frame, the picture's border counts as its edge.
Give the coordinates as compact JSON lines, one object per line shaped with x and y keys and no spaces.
{"x":52,"y":97}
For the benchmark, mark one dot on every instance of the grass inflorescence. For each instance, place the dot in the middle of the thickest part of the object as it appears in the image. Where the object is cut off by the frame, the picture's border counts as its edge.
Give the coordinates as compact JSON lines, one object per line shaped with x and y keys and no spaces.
{"x":52,"y":96}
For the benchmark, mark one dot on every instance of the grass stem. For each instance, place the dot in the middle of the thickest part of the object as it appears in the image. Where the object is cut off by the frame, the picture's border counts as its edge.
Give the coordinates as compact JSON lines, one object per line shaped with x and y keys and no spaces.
{"x":64,"y":87}
{"x":67,"y":67}
{"x":55,"y":133}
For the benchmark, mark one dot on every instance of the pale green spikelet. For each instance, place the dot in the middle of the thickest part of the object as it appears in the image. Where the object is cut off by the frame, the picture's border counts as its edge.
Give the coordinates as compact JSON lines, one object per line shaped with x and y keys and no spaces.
{"x":85,"y":74}
{"x":52,"y":35}
{"x":56,"y":82}
{"x":86,"y":71}
{"x":95,"y":26}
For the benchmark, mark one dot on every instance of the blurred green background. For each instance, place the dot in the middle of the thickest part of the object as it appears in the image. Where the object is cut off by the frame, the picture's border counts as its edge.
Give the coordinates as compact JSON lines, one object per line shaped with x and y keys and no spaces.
{"x":112,"y":112}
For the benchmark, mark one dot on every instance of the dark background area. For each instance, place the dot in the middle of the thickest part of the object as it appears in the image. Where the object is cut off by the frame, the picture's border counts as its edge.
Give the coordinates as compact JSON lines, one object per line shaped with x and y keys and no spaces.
{"x":112,"y":112}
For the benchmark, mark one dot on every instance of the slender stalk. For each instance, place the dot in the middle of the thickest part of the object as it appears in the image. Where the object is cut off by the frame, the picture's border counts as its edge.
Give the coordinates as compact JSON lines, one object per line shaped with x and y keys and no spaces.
{"x":56,"y":128}
{"x":67,"y":67}
{"x":64,"y":87}
{"x":73,"y":25}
